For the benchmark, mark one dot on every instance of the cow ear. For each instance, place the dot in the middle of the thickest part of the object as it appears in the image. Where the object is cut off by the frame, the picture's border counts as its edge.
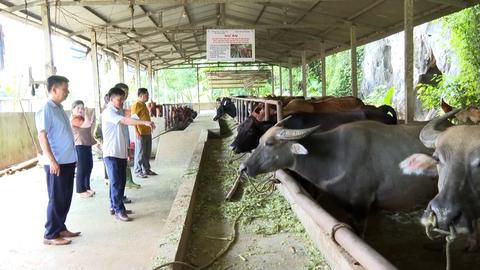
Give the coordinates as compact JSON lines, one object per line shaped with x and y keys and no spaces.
{"x":298,"y":149}
{"x":419,"y":164}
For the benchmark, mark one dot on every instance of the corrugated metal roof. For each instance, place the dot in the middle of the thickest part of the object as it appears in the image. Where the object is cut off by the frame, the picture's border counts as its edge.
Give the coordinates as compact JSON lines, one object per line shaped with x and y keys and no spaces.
{"x":172,"y":32}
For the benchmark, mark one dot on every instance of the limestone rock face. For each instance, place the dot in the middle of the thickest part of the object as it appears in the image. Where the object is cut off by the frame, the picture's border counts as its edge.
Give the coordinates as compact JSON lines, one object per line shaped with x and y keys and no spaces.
{"x":383,"y":65}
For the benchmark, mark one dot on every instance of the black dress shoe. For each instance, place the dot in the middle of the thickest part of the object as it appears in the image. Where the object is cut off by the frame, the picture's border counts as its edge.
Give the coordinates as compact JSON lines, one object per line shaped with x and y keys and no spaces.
{"x":125,"y":200}
{"x":128,"y":212}
{"x":122,"y":217}
{"x":151,"y":173}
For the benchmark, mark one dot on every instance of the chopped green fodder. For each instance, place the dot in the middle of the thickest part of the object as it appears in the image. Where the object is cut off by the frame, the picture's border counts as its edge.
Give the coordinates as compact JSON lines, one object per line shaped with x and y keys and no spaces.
{"x":264,"y":214}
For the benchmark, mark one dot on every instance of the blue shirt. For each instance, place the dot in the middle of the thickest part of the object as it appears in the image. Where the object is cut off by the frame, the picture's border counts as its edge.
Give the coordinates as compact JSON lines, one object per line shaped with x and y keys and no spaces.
{"x":54,"y":121}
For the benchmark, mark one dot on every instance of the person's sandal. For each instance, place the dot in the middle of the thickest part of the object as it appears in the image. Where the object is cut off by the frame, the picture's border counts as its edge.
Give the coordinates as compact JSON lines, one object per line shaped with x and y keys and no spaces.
{"x":85,"y":194}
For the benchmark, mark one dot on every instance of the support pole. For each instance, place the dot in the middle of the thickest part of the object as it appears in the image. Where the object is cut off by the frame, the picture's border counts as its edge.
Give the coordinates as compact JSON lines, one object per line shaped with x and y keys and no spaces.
{"x":150,"y":79}
{"x":304,"y":73}
{"x":280,"y":82}
{"x":121,"y":70}
{"x":137,"y":70}
{"x":409,"y":95}
{"x":353,"y":56}
{"x":198,"y":90}
{"x":273,"y":81}
{"x":96,"y":77}
{"x":323,"y":70}
{"x":47,"y":39}
{"x":165,"y":93}
{"x":290,"y":85}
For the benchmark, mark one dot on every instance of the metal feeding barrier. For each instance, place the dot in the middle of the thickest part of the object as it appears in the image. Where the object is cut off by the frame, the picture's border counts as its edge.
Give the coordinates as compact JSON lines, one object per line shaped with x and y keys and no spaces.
{"x":168,"y":114}
{"x":245,"y":107}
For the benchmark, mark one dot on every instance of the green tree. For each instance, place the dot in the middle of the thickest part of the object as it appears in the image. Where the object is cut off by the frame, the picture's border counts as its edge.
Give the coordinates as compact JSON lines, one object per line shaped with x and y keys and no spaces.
{"x":463,"y":89}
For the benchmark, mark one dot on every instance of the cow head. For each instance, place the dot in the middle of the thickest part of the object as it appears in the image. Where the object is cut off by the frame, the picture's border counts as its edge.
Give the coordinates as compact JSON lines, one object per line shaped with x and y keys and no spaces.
{"x":226,"y":107}
{"x":456,"y":161}
{"x":248,"y":134}
{"x":276,"y":150}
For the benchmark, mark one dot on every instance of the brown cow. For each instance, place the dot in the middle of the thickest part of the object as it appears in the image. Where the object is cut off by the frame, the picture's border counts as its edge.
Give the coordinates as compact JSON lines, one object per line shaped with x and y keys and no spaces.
{"x":319,"y":105}
{"x":328,"y":104}
{"x":259,"y":111}
{"x":469,"y":116}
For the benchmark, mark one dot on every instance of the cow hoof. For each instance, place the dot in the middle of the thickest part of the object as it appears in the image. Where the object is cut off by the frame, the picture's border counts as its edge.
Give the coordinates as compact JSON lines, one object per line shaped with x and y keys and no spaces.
{"x":434,"y":246}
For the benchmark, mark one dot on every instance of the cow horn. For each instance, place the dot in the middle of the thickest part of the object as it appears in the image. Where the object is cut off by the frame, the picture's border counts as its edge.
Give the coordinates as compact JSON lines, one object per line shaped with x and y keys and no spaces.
{"x":280,"y":124}
{"x":435,"y":127}
{"x":295,"y":134}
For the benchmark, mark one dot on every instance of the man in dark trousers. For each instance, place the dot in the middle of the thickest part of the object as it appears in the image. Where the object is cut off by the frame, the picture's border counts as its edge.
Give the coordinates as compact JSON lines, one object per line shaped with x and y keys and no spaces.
{"x":59,"y":157}
{"x":143,"y":140}
{"x":115,"y":149}
{"x":130,"y":183}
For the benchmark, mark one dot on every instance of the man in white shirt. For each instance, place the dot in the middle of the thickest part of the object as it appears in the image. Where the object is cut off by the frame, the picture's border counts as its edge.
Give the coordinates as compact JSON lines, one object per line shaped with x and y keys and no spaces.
{"x":115,"y":147}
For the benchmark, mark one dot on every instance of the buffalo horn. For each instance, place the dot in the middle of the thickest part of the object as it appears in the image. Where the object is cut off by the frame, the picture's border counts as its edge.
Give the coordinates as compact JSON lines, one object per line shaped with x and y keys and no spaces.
{"x":435,"y":127}
{"x":280,"y":124}
{"x":295,"y":134}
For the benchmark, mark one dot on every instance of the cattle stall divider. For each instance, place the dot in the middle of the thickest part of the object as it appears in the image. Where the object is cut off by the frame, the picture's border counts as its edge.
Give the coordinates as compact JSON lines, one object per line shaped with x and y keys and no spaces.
{"x":341,"y":247}
{"x":244,"y":107}
{"x":167,"y":110}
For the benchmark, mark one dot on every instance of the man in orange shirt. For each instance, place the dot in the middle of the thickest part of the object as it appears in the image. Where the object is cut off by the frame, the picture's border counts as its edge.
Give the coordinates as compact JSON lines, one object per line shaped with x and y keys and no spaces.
{"x":143,"y":140}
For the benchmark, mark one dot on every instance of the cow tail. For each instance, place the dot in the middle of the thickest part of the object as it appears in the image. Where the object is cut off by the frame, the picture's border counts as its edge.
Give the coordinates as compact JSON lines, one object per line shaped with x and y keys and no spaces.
{"x":388,"y":109}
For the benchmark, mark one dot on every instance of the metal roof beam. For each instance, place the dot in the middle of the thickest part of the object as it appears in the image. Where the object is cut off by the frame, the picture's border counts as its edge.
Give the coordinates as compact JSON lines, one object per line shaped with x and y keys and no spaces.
{"x":305,"y":13}
{"x":183,"y":58}
{"x":190,"y":21}
{"x":338,"y":20}
{"x":14,"y":8}
{"x":155,"y":33}
{"x":127,"y":19}
{"x":201,"y":28}
{"x":219,"y":65}
{"x":454,"y":3}
{"x":96,"y":14}
{"x":90,"y":3}
{"x":36,"y":20}
{"x":148,"y":2}
{"x":365,"y":9}
{"x":222,"y":13}
{"x":359,"y":13}
{"x":260,"y":14}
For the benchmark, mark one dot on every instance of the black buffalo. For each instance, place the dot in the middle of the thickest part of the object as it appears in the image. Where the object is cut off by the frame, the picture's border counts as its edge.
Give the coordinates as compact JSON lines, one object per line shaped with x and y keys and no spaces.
{"x":226,"y":106}
{"x":250,"y":131}
{"x":357,"y":163}
{"x":456,"y":162}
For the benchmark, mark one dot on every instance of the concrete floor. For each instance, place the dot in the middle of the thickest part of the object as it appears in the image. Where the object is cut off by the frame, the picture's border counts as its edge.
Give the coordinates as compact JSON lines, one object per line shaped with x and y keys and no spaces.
{"x":105,"y":243}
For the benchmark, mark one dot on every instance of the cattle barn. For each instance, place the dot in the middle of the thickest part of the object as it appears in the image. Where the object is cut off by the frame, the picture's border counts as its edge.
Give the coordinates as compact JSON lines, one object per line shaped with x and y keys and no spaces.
{"x":313,"y":182}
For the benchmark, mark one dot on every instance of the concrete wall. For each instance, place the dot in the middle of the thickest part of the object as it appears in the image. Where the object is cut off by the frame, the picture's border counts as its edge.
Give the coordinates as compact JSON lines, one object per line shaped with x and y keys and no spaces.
{"x":15,"y":142}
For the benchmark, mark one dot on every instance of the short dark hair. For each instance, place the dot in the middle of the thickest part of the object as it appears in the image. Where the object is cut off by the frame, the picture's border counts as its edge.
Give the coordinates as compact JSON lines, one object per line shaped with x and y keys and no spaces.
{"x":115,"y":91}
{"x":142,"y":91}
{"x":55,"y":80}
{"x":121,"y":86}
{"x":76,"y":103}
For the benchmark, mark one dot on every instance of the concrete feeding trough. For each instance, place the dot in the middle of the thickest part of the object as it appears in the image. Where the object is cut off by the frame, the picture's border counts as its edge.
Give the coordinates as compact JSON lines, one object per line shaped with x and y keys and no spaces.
{"x":341,"y":247}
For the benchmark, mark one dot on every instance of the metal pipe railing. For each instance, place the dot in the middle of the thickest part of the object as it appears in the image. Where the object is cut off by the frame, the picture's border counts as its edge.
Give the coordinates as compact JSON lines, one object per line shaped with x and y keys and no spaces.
{"x":168,"y":115}
{"x":245,"y":106}
{"x":348,"y":240}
